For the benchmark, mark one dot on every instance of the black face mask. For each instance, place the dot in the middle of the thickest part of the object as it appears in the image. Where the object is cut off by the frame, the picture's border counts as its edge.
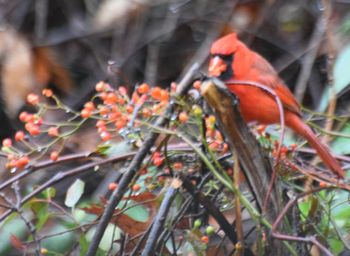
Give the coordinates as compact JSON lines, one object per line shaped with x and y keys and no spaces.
{"x":228,"y":73}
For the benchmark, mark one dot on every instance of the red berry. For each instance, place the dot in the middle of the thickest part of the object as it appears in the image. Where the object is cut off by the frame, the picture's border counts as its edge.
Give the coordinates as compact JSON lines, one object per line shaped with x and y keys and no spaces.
{"x":105,"y":136}
{"x":158,"y":161}
{"x":22,"y":162}
{"x":143,"y":88}
{"x":23,"y":116}
{"x":89,"y":106}
{"x":205,"y":239}
{"x":177,"y":166}
{"x":111,"y":98}
{"x":122,"y":90}
{"x":156,"y":93}
{"x":19,"y":136}
{"x":85,"y":113}
{"x":53,"y":131}
{"x":183,"y":117}
{"x":33,"y":99}
{"x":47,"y":92}
{"x":112,"y":186}
{"x":136,"y":187}
{"x":54,"y":155}
{"x":100,"y":86}
{"x":100,"y":123}
{"x":7,"y":142}
{"x":197,"y":84}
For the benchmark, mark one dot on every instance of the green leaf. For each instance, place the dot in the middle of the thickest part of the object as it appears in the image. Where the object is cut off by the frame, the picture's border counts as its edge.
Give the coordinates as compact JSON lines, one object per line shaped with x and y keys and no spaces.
{"x":16,"y":227}
{"x":75,"y":191}
{"x":42,"y":215}
{"x":111,"y":234}
{"x":59,"y":243}
{"x":341,"y":145}
{"x":84,"y":245}
{"x":119,"y":148}
{"x":336,"y":245}
{"x":304,"y":207}
{"x":138,"y":213}
{"x":341,"y":76}
{"x":49,"y":193}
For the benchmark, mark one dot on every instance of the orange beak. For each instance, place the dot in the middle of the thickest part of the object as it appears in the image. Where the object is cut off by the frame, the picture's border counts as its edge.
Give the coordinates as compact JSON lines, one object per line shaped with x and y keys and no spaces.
{"x":216,"y":66}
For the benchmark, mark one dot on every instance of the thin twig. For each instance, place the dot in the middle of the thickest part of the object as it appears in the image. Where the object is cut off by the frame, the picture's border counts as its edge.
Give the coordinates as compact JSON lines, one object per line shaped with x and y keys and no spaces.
{"x":159,"y":221}
{"x":309,"y":60}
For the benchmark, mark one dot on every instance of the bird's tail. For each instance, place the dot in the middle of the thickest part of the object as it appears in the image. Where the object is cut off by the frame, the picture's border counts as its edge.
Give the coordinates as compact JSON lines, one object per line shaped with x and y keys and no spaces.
{"x":295,"y":122}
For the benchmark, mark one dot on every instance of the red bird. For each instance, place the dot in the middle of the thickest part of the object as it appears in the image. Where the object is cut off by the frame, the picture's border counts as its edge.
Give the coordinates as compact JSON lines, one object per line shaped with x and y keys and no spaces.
{"x":233,"y":60}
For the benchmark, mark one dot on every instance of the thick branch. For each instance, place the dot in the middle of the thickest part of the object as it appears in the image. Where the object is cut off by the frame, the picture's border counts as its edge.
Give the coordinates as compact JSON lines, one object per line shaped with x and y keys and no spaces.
{"x":256,"y":166}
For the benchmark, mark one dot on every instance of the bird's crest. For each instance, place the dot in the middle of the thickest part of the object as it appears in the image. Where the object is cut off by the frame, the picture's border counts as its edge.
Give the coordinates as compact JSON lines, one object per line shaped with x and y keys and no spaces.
{"x":225,"y":45}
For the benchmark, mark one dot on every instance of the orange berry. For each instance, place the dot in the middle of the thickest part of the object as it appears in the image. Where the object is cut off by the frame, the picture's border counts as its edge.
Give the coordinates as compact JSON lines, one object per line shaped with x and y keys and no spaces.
{"x":205,"y":239}
{"x":29,"y":118}
{"x":104,"y":110}
{"x":156,"y":93}
{"x":33,"y":99}
{"x":293,"y":147}
{"x":121,"y":101}
{"x":19,"y":136}
{"x":7,"y":142}
{"x":23,"y":116}
{"x":38,"y":120}
{"x":101,"y":129}
{"x":89,"y":106}
{"x":284,"y":150}
{"x":111,"y":98}
{"x":173,"y":86}
{"x":22,"y":162}
{"x":114,"y":115}
{"x":183,"y":117}
{"x":32,"y":129}
{"x":164,"y":95}
{"x":105,"y":136}
{"x":112,"y":186}
{"x":146,"y":112}
{"x":225,"y":148}
{"x":100,"y":86}
{"x":158,"y":161}
{"x":129,"y":109}
{"x":100,"y":123}
{"x":85,"y":113}
{"x":197,"y":84}
{"x":323,"y":184}
{"x":136,"y":187}
{"x":156,"y":154}
{"x":54,"y":155}
{"x":143,"y":88}
{"x":47,"y":92}
{"x":120,"y":124}
{"x":53,"y":131}
{"x":122,"y":90}
{"x":103,"y":96}
{"x":177,"y":166}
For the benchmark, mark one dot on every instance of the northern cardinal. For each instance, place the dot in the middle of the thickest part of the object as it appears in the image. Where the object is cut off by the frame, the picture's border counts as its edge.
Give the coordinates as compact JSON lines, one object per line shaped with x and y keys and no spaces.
{"x":231,"y":59}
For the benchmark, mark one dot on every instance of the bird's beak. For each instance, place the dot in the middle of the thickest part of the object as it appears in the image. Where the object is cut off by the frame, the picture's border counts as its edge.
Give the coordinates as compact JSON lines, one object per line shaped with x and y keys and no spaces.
{"x":217,"y":66}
